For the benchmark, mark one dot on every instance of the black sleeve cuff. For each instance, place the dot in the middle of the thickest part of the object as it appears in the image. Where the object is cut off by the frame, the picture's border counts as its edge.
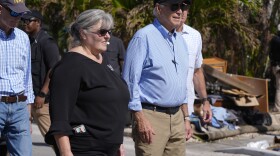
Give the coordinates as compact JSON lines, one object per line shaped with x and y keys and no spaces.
{"x":58,"y":127}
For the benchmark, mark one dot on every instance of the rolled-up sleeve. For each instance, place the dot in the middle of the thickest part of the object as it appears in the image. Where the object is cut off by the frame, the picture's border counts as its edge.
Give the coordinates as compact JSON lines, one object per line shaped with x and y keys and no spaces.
{"x":133,"y":66}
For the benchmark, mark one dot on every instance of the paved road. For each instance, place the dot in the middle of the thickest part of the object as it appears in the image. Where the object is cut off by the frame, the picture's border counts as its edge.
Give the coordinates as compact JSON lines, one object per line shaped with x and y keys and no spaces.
{"x":194,"y":147}
{"x":42,"y":149}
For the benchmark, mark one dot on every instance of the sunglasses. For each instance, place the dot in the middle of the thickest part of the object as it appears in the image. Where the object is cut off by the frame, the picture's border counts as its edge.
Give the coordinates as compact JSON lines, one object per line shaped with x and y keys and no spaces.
{"x":102,"y":32}
{"x":12,"y":13}
{"x":27,"y":21}
{"x":175,"y":7}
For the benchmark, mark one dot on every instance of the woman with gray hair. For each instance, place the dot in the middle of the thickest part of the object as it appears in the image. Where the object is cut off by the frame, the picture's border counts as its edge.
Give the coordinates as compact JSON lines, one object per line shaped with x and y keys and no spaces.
{"x":88,"y":100}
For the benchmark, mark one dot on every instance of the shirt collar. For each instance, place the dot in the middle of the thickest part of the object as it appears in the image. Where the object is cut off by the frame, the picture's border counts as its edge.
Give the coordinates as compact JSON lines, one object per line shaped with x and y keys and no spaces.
{"x":185,"y":29}
{"x":3,"y":33}
{"x":163,"y":30}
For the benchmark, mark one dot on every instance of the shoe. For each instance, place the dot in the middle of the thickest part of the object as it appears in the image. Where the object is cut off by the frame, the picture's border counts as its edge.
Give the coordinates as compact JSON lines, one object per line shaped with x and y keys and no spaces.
{"x":274,"y":110}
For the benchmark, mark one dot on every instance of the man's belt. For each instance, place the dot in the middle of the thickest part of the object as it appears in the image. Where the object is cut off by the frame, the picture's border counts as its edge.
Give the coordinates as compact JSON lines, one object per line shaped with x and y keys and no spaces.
{"x":13,"y":99}
{"x":167,"y":110}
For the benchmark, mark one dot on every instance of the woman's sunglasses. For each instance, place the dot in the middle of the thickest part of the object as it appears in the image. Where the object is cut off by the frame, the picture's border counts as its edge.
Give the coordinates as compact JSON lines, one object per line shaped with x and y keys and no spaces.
{"x":102,"y":32}
{"x":12,"y":13}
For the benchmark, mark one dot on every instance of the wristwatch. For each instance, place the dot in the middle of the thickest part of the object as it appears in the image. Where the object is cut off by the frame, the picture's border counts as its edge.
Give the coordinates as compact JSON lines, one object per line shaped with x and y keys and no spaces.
{"x":204,"y":99}
{"x":42,"y":94}
{"x":186,"y":118}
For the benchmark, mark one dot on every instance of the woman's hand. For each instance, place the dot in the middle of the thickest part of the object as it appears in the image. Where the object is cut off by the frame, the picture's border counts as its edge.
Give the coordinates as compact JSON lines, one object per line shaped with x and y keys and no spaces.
{"x":63,"y":144}
{"x":121,"y":151}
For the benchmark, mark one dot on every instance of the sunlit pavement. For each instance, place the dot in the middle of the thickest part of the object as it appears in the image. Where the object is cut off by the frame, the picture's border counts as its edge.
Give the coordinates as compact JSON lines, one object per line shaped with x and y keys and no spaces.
{"x":194,"y":147}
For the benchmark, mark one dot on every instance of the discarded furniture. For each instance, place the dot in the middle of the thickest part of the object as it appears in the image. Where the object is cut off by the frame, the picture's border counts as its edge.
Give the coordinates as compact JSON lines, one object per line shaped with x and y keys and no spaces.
{"x":217,"y":63}
{"x":253,"y":86}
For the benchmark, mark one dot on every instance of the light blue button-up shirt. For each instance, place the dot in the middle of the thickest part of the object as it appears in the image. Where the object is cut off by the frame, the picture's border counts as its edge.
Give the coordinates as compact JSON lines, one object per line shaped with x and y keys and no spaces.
{"x":15,"y":64}
{"x":156,"y":67}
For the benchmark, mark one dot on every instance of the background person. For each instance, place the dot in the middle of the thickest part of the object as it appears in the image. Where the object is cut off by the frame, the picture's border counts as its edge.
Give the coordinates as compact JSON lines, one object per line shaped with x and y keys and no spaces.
{"x":195,"y":80}
{"x":44,"y":55}
{"x":91,"y":94}
{"x":16,"y":92}
{"x":274,"y":56}
{"x":115,"y":53}
{"x":155,"y":70}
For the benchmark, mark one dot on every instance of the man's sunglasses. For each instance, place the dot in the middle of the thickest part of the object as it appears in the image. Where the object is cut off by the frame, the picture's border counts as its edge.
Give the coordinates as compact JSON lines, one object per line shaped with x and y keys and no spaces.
{"x":182,"y":6}
{"x":12,"y":13}
{"x":102,"y":32}
{"x":27,"y":21}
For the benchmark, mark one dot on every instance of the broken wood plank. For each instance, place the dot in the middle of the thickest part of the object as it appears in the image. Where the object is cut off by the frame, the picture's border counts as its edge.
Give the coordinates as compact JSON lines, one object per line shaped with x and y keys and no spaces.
{"x":227,"y":79}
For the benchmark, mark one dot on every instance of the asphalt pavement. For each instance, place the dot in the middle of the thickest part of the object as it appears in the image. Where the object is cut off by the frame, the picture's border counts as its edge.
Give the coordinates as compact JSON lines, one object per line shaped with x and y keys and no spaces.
{"x":233,"y":146}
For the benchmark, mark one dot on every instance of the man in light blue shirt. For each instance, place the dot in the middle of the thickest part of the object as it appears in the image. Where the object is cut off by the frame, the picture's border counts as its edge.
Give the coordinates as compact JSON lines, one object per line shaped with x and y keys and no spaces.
{"x":15,"y":79}
{"x":155,"y":69}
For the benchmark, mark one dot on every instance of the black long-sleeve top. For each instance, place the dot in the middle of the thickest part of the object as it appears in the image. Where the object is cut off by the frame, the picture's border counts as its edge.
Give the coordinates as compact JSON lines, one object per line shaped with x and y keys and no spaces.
{"x":86,"y":92}
{"x":274,"y":54}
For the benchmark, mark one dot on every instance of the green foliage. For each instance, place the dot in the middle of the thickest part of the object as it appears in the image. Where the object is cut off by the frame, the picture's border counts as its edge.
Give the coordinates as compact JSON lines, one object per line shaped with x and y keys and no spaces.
{"x":129,"y":15}
{"x":236,"y":30}
{"x":231,"y":30}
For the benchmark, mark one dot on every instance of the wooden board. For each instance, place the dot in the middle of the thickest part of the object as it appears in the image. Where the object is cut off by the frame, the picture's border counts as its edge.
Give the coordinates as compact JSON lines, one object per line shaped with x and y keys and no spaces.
{"x":251,"y":85}
{"x":217,"y":63}
{"x":261,"y":86}
{"x":229,"y":80}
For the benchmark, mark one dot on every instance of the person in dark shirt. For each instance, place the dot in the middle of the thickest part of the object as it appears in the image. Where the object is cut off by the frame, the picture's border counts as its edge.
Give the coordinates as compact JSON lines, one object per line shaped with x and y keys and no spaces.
{"x":274,"y":56}
{"x":115,"y":53}
{"x":88,"y":100}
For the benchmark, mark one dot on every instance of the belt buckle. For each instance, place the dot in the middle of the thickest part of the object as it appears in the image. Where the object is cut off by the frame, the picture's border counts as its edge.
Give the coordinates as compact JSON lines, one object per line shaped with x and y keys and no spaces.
{"x":5,"y":99}
{"x":17,"y":99}
{"x":168,"y":110}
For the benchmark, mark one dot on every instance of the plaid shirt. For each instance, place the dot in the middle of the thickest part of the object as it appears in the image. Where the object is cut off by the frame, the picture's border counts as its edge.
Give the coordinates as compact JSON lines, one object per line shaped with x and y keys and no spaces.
{"x":15,"y":64}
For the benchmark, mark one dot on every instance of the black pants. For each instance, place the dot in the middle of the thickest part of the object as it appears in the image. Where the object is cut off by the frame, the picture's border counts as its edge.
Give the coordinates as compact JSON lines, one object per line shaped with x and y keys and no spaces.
{"x":3,"y":147}
{"x":85,"y":145}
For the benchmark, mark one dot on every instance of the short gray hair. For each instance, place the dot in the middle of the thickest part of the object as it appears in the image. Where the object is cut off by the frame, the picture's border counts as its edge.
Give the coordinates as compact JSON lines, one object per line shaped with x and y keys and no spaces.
{"x":86,"y":20}
{"x":155,"y":13}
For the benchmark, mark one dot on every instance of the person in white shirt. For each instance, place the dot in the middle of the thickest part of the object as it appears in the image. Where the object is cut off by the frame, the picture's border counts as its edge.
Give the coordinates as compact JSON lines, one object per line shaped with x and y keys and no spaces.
{"x":195,"y":80}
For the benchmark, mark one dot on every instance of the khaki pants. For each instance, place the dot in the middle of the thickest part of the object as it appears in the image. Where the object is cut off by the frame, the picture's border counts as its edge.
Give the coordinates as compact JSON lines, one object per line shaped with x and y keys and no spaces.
{"x":169,"y":138}
{"x":42,"y":118}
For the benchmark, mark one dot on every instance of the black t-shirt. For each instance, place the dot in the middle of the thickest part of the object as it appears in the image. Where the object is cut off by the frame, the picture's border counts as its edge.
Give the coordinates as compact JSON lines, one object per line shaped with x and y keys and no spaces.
{"x":86,"y":92}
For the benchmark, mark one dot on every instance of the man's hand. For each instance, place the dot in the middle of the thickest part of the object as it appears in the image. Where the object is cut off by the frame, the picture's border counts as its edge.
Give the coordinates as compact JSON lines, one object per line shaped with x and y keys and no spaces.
{"x":188,"y":129}
{"x":145,"y":129}
{"x":207,"y":112}
{"x":121,"y":151}
{"x":31,"y":130}
{"x":30,"y":117}
{"x":38,"y":102}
